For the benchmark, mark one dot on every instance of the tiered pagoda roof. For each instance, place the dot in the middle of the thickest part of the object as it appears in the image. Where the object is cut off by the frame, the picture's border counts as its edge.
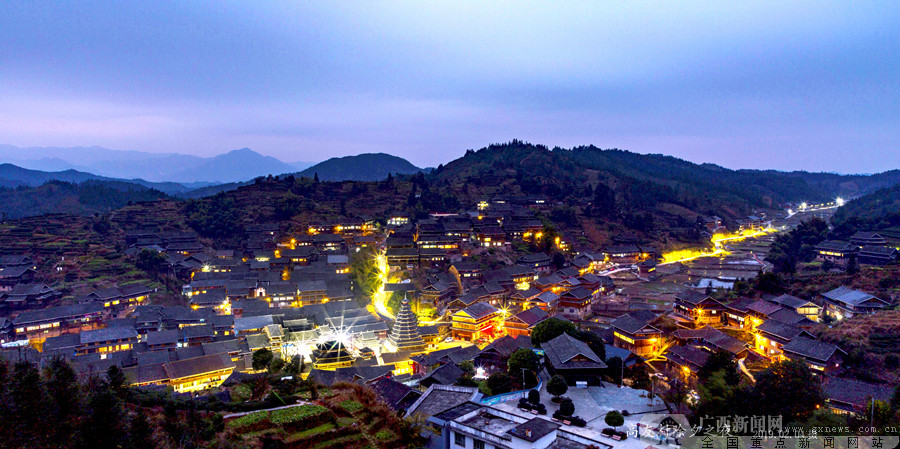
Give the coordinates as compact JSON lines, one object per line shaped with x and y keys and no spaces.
{"x":405,"y":333}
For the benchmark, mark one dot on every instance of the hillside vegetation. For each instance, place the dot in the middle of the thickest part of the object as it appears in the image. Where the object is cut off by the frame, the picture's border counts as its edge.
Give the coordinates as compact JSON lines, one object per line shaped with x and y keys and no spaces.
{"x":362,"y":167}
{"x":86,"y":198}
{"x":878,"y":211}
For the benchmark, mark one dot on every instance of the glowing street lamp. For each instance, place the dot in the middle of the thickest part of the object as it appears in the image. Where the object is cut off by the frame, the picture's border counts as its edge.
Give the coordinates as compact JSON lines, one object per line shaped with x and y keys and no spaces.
{"x":839,"y":201}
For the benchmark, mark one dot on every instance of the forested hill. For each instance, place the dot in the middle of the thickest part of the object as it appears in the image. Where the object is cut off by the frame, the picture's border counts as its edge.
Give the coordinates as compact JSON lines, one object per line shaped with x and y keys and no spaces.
{"x":86,"y":198}
{"x":647,"y":180}
{"x":362,"y":167}
{"x":878,"y":211}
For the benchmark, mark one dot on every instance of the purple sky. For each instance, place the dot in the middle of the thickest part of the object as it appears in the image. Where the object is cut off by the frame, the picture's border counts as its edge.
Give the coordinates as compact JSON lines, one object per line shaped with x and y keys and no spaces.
{"x":786,"y":85}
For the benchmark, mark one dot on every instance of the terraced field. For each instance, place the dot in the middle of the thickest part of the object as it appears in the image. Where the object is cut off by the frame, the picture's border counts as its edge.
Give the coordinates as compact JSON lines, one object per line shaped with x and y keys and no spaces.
{"x":347,"y":418}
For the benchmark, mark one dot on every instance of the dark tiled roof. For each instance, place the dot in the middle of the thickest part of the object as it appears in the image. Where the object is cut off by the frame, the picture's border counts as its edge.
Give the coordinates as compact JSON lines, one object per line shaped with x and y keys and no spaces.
{"x":480,"y":310}
{"x":633,"y":322}
{"x":56,"y":313}
{"x":467,"y":353}
{"x":532,"y":316}
{"x":763,"y":307}
{"x":506,"y":345}
{"x":692,"y":297}
{"x":561,"y":350}
{"x":714,"y":337}
{"x":789,"y":301}
{"x":788,"y":316}
{"x":835,"y":245}
{"x":148,"y":373}
{"x":108,"y":334}
{"x":687,"y":355}
{"x":849,"y":296}
{"x":740,"y":305}
{"x":211,"y":297}
{"x":446,"y":374}
{"x":443,"y":397}
{"x":533,"y":258}
{"x":198,"y":365}
{"x":779,"y":329}
{"x":812,"y":349}
{"x":854,"y":392}
{"x":391,"y":391}
{"x":162,"y":338}
{"x":880,"y":251}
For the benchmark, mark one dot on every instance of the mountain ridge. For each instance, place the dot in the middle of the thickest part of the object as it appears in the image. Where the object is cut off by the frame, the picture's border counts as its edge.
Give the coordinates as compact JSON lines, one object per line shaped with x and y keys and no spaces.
{"x":360,"y":167}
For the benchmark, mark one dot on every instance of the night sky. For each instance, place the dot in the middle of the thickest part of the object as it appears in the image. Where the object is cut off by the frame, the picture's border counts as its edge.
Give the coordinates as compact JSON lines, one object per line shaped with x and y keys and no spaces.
{"x":784,"y":85}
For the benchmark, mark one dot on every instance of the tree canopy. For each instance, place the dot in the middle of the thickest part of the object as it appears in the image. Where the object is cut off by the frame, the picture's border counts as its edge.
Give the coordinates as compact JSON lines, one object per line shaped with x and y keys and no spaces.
{"x":549,"y":329}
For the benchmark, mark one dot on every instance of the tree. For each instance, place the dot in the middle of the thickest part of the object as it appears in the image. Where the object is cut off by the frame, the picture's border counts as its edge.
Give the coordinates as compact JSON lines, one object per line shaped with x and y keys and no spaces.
{"x":262,"y":358}
{"x":604,"y":201}
{"x":549,"y":329}
{"x":29,"y":420}
{"x":467,"y":366}
{"x":676,"y":394}
{"x":852,"y":264}
{"x":719,"y":397}
{"x":104,"y":417}
{"x":614,"y":418}
{"x":140,"y":434}
{"x":523,"y":358}
{"x":150,"y":260}
{"x":788,"y":389}
{"x":566,"y":407}
{"x":720,"y":361}
{"x":276,"y":365}
{"x":614,"y":369}
{"x":499,"y":383}
{"x":66,"y":400}
{"x":534,"y":396}
{"x":769,"y":282}
{"x":115,"y":379}
{"x":882,"y":413}
{"x":557,"y":386}
{"x":365,"y":272}
{"x":895,"y":399}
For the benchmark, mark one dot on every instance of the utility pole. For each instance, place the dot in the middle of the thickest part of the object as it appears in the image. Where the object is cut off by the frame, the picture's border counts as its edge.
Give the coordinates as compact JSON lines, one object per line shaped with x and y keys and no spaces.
{"x":872,"y":413}
{"x":622,"y":373}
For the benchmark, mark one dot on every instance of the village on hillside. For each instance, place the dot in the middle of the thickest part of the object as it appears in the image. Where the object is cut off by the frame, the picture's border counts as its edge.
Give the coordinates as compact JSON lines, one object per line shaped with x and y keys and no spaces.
{"x":487,"y":324}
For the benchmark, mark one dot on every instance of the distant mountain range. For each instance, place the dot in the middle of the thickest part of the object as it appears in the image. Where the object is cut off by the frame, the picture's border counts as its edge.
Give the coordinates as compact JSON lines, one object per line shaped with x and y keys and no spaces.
{"x":234,"y":166}
{"x":12,"y":176}
{"x":363,"y":167}
{"x":607,"y":185}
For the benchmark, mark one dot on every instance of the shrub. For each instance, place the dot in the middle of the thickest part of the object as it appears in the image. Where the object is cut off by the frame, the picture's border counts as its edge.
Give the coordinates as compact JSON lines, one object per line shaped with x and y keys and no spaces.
{"x":385,"y":435}
{"x":567,"y":407}
{"x":557,"y":386}
{"x":351,"y":406}
{"x":534,"y":396}
{"x":614,"y":418}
